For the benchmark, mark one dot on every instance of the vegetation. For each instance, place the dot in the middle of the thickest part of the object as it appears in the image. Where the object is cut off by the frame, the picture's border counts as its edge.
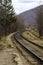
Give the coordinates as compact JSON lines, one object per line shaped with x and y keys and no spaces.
{"x":7,"y":18}
{"x":40,"y":23}
{"x":9,"y":22}
{"x":20,"y":24}
{"x":30,"y":36}
{"x":1,"y":46}
{"x":3,"y":43}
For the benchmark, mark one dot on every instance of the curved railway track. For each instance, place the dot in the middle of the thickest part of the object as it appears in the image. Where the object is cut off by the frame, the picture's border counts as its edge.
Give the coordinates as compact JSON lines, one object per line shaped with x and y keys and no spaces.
{"x":29,"y":47}
{"x":39,"y":45}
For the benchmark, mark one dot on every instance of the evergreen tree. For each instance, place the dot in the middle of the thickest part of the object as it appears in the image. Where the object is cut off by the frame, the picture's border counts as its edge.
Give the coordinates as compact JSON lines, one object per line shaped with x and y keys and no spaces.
{"x":9,"y":15}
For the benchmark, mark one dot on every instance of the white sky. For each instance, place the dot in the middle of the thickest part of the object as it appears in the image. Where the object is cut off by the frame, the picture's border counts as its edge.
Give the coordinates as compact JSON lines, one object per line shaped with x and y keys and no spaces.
{"x":23,"y":5}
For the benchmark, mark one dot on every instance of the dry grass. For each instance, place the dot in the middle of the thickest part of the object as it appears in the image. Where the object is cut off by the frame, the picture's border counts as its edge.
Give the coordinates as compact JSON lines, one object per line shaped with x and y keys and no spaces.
{"x":32,"y":37}
{"x":3,"y":43}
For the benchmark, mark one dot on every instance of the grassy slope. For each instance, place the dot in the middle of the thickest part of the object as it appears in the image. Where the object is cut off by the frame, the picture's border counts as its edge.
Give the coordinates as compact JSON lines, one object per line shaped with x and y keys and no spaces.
{"x":32,"y":37}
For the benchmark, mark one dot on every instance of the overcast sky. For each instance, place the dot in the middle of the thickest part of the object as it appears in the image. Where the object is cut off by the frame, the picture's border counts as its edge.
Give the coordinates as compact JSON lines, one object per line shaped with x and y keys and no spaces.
{"x":23,"y":5}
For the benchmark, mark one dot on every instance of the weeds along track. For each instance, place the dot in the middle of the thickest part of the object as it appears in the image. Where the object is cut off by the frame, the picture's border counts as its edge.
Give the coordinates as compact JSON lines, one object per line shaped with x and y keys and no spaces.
{"x":29,"y":50}
{"x":35,"y":33}
{"x":32,"y":42}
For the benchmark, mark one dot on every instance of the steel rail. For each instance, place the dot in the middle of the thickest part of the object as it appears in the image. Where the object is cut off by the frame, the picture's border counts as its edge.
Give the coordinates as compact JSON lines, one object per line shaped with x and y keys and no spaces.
{"x":41,"y":46}
{"x":35,"y":55}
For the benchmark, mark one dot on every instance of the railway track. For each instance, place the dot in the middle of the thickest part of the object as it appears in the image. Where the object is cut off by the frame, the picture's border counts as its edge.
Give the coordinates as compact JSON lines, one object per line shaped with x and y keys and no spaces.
{"x":39,"y":45}
{"x":29,"y":48}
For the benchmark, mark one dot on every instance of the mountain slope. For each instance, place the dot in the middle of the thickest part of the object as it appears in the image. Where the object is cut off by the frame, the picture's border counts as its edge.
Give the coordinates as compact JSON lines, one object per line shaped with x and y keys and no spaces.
{"x":30,"y":16}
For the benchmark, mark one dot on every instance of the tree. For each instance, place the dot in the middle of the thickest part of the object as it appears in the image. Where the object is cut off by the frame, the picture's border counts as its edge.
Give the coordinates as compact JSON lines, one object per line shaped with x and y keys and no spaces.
{"x":20,"y":24}
{"x":40,"y":22}
{"x":2,"y":17}
{"x":9,"y":15}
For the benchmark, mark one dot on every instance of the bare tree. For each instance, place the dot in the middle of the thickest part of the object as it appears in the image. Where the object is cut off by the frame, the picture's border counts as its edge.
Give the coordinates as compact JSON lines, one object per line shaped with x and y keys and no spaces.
{"x":20,"y":24}
{"x":40,"y":22}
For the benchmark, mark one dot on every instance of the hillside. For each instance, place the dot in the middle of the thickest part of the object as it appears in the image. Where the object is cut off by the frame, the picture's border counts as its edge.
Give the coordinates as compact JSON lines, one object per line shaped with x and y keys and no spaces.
{"x":30,"y":16}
